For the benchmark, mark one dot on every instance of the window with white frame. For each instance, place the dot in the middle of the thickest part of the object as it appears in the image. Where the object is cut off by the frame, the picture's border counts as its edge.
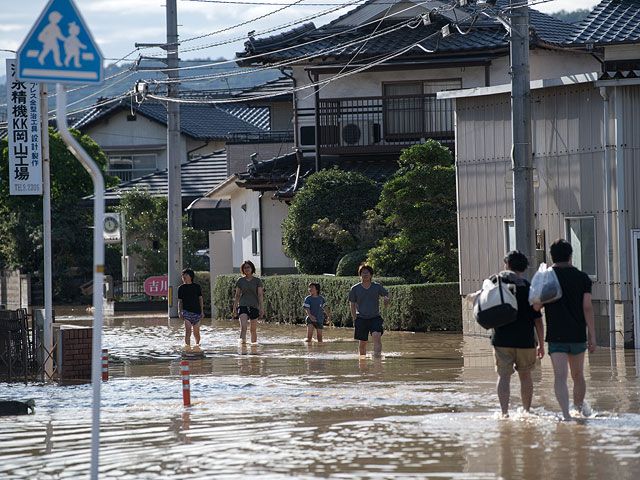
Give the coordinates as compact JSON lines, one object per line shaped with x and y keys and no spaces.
{"x":509,"y":235}
{"x":581,"y":234}
{"x":130,"y":166}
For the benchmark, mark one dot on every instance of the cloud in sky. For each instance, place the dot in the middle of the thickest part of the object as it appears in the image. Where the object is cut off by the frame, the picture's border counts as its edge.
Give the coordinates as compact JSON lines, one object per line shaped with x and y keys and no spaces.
{"x":117,"y":25}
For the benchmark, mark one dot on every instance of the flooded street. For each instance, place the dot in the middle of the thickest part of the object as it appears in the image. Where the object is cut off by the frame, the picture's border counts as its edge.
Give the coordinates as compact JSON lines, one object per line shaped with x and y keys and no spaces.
{"x":287,"y":409}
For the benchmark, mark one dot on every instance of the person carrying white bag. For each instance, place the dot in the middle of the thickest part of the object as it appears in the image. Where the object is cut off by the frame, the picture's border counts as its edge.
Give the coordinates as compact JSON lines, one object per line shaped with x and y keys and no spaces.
{"x":514,"y":343}
{"x":570,"y":328}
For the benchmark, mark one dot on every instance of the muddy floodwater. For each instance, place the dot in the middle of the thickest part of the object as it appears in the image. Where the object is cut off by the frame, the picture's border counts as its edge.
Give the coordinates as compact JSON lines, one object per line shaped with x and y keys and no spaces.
{"x":287,"y":409}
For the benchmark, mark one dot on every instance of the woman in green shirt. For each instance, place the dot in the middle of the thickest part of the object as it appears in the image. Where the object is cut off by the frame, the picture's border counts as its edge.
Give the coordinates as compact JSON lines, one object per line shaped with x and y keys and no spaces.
{"x":248,"y":303}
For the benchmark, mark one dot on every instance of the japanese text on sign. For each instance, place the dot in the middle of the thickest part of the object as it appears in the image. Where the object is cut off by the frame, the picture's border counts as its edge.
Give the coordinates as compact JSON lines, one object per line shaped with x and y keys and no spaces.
{"x":156,"y":286}
{"x":24,"y":129}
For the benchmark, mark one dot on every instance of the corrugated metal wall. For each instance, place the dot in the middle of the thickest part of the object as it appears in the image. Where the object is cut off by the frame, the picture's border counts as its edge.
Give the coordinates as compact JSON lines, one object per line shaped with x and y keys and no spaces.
{"x":569,"y":158}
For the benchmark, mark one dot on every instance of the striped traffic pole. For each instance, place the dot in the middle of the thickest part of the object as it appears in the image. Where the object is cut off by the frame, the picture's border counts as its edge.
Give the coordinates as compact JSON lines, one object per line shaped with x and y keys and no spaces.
{"x":186,"y":390}
{"x":105,"y":364}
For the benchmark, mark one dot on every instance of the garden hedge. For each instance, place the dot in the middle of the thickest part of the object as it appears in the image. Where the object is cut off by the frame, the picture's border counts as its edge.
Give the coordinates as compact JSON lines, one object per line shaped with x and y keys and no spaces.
{"x":203,"y":278}
{"x":424,"y":307}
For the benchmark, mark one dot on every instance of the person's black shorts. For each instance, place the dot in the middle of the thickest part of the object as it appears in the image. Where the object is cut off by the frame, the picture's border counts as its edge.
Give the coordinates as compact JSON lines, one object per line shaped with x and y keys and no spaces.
{"x":252,"y":312}
{"x":364,"y":326}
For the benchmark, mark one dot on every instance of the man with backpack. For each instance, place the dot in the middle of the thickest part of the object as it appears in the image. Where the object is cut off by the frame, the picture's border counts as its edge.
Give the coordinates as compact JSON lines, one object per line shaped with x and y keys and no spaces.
{"x":514,"y":344}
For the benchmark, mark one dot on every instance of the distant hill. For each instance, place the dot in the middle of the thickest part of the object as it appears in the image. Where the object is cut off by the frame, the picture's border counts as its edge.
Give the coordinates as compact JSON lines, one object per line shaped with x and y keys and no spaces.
{"x":571,"y":17}
{"x":191,"y":81}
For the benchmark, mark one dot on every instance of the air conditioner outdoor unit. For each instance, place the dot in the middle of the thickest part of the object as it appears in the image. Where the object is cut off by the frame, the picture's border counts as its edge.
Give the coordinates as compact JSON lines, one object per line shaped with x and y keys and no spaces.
{"x":356,"y":131}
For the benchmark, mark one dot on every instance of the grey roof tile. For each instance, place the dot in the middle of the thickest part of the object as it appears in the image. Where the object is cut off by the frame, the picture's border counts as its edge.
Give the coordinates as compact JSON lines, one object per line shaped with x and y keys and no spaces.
{"x":199,"y":121}
{"x":485,"y":34}
{"x":198,"y":176}
{"x":611,"y":21}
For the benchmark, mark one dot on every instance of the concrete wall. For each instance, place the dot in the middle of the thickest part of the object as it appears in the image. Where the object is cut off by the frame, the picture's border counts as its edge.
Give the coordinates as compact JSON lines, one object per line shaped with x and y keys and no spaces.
{"x":221,"y":255}
{"x":15,"y":289}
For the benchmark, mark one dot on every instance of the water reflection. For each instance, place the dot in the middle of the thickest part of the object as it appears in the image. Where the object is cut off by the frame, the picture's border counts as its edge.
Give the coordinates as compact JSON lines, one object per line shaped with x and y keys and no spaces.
{"x":287,"y":409}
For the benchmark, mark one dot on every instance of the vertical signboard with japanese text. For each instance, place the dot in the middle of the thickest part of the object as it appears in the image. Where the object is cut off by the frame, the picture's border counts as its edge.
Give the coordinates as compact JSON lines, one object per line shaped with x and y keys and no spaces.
{"x":24,"y":129}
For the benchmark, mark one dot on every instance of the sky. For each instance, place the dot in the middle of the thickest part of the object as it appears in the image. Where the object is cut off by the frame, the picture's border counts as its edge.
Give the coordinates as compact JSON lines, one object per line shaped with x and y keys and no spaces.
{"x":116,"y":25}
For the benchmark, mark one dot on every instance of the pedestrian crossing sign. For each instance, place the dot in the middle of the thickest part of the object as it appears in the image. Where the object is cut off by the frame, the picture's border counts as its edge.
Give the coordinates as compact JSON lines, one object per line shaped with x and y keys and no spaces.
{"x":59,"y":48}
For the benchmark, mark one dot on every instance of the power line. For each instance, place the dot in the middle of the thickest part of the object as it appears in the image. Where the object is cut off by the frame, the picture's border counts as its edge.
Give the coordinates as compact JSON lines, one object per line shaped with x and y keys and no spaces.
{"x":242,"y":38}
{"x":343,"y":32}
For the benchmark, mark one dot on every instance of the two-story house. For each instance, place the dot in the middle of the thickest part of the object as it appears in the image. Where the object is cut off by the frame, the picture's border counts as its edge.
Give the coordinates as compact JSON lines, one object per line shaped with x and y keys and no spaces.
{"x":366,"y":86}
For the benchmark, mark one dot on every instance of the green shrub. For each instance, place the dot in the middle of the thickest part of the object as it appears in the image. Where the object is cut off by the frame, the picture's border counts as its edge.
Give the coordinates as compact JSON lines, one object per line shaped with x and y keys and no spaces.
{"x":334,"y":202}
{"x":422,"y":307}
{"x":349,"y":263}
{"x":203,"y":278}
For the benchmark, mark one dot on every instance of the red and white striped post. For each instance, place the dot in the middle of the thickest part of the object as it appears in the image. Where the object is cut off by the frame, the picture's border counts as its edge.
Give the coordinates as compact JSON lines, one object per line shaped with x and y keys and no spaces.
{"x":186,"y":389}
{"x":105,"y":364}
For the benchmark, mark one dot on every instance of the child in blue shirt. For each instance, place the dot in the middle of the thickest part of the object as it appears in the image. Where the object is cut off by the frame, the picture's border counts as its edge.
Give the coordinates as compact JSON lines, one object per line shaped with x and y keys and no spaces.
{"x":316,"y":307}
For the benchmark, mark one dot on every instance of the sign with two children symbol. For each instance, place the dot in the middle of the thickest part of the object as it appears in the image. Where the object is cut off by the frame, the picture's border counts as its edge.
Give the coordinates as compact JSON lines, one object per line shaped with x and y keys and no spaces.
{"x":60,"y":48}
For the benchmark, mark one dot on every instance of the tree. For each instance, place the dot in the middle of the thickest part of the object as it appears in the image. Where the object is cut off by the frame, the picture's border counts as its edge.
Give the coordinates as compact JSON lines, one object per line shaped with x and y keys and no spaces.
{"x":324,"y":218}
{"x":21,"y":218}
{"x":147,"y":233}
{"x":419,"y":204}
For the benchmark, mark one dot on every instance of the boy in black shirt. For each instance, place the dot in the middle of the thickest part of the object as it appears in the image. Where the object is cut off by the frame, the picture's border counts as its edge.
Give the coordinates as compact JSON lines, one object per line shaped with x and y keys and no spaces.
{"x":190,"y":306}
{"x":515,"y":343}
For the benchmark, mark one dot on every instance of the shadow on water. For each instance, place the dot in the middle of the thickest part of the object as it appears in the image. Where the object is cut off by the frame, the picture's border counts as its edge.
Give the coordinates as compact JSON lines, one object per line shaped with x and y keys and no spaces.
{"x":287,"y":409}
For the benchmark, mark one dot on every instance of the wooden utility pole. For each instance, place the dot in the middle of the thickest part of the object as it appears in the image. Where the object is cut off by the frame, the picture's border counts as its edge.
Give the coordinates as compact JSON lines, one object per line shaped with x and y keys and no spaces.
{"x":174,"y":161}
{"x":521,"y":150}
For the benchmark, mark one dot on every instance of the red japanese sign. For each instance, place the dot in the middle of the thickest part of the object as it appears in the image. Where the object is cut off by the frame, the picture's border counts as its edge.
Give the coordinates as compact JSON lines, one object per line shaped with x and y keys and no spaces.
{"x":156,"y":286}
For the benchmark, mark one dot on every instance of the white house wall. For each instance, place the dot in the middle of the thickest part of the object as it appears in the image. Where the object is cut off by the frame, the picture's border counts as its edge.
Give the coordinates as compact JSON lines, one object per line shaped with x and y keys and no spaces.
{"x":129,"y":137}
{"x":273,"y":213}
{"x":242,"y":222}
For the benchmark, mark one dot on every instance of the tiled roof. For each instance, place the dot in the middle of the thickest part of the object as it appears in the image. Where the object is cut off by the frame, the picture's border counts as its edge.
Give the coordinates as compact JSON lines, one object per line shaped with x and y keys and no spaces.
{"x":279,"y":89}
{"x":257,"y":116}
{"x":199,"y":121}
{"x":198,"y":175}
{"x":612,"y":21}
{"x":279,"y":173}
{"x":486,"y":34}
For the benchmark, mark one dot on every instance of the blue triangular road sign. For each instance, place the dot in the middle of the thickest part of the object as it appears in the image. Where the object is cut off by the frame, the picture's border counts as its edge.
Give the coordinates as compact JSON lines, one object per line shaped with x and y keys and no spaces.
{"x":60,"y":48}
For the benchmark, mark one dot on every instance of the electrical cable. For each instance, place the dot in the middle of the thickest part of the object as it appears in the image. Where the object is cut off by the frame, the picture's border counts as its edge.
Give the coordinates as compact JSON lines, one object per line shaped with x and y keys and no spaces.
{"x":251,"y":57}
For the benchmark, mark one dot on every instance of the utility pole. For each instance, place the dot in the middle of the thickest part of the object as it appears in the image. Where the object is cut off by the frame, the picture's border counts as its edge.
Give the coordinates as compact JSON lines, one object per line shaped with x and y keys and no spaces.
{"x":174,"y":160}
{"x":521,"y":150}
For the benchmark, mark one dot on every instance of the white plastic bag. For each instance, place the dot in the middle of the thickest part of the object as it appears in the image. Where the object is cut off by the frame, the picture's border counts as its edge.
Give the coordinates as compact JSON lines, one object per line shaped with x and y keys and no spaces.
{"x":545,"y":287}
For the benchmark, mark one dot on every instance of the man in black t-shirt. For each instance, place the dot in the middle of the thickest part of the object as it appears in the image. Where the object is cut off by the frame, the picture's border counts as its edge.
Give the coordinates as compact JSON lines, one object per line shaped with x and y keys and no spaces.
{"x":570,"y":328}
{"x":190,"y":306}
{"x":515,"y":344}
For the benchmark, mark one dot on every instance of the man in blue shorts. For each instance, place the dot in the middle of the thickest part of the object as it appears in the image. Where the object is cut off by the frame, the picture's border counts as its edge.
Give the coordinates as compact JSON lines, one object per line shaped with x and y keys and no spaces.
{"x":570,"y":328}
{"x":364,"y":301}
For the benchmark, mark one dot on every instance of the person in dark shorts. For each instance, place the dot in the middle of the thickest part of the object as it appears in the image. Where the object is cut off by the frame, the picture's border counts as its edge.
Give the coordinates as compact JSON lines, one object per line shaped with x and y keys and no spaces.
{"x":364,"y":301}
{"x":514,"y":345}
{"x":248,"y":303}
{"x":190,"y":306}
{"x":316,"y":307}
{"x":570,"y":329}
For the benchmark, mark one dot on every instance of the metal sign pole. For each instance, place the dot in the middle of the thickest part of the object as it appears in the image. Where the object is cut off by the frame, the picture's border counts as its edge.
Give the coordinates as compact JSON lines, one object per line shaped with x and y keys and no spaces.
{"x":98,"y":269}
{"x":46,"y":207}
